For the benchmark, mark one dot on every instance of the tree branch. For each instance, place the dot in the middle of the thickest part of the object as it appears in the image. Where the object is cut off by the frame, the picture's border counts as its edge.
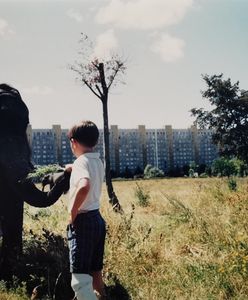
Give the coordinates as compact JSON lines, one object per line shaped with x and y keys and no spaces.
{"x":100,"y":92}
{"x":113,"y":77}
{"x":89,"y":86}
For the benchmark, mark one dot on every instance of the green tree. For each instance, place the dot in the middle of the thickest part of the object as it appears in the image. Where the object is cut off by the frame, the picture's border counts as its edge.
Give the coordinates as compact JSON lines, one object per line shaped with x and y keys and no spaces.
{"x":243,"y":169}
{"x":228,"y":117}
{"x":225,"y":167}
{"x":99,"y":75}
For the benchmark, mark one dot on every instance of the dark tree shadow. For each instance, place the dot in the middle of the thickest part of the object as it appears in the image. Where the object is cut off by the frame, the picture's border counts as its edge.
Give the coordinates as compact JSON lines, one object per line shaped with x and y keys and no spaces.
{"x":117,"y":292}
{"x":44,"y":267}
{"x":63,"y":290}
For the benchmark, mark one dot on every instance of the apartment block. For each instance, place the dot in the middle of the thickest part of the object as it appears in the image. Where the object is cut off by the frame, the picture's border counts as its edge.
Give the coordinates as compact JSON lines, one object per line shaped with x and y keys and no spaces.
{"x":130,"y":149}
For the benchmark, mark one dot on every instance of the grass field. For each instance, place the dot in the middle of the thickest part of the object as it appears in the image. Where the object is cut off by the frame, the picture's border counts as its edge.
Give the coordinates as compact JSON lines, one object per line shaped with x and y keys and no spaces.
{"x":191,"y":242}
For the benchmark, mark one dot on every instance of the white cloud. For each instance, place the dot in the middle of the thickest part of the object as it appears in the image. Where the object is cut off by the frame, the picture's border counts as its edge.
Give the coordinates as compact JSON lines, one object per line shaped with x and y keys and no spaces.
{"x":106,"y":43}
{"x":75,"y":15}
{"x":5,"y":30}
{"x":149,"y":15}
{"x":169,"y":48}
{"x":37,"y":90}
{"x":143,"y":14}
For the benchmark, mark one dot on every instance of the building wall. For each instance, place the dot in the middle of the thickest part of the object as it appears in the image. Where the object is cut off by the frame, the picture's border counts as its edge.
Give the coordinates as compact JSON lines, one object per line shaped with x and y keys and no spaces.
{"x":130,"y":149}
{"x":67,"y":156}
{"x":183,"y":147}
{"x":43,"y":147}
{"x":207,"y":150}
{"x":100,"y":146}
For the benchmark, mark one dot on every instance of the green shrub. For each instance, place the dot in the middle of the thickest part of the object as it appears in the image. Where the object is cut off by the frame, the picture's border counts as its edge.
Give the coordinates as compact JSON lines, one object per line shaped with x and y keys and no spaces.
{"x":142,"y":196}
{"x":191,"y":173}
{"x":152,"y":172}
{"x":203,"y":175}
{"x":41,"y":171}
{"x":17,"y":291}
{"x":232,"y":184}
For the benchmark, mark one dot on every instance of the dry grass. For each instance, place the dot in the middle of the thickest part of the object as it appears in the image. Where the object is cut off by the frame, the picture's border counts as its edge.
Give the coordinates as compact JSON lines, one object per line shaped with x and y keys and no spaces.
{"x":190,"y":243}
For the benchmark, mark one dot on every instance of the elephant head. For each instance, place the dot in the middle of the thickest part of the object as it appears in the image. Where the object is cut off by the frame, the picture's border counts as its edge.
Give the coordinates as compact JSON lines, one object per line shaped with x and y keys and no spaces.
{"x":15,"y":162}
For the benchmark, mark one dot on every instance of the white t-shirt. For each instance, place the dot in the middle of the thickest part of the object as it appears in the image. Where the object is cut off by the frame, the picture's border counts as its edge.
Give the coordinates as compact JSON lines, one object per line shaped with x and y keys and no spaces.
{"x":89,"y":166}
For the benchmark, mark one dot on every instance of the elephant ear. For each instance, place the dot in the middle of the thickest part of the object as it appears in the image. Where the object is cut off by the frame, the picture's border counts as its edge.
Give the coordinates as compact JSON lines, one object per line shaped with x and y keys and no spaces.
{"x":14,"y":148}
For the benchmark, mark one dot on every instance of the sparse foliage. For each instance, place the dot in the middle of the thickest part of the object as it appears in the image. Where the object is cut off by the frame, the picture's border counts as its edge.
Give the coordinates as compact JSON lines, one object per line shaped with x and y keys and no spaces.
{"x":98,"y":74}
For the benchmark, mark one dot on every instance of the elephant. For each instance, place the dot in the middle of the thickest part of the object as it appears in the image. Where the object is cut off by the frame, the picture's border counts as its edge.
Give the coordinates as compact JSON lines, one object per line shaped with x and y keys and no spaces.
{"x":15,"y":185}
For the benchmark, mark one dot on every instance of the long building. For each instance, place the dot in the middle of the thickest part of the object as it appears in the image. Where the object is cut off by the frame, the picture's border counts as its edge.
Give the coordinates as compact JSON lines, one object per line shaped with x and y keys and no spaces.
{"x":132,"y":149}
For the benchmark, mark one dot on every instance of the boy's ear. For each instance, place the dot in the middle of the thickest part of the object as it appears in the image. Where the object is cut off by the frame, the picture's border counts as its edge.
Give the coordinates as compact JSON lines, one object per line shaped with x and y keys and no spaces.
{"x":72,"y":142}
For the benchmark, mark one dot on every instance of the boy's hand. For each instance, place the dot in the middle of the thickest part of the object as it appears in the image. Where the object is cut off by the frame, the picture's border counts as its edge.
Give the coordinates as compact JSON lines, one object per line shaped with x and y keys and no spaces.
{"x":80,"y":197}
{"x":70,"y":221}
{"x":68,"y":168}
{"x":72,"y":217}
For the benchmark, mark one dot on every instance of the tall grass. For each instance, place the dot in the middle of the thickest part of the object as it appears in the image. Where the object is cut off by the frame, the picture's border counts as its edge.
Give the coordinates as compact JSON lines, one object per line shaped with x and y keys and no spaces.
{"x":191,"y":242}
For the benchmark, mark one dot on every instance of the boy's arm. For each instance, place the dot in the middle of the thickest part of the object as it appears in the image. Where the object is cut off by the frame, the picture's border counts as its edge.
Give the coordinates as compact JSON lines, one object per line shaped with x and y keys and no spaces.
{"x":80,"y":197}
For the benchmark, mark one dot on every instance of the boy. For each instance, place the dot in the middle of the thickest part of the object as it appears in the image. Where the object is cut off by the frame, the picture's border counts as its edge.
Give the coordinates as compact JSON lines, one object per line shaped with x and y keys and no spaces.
{"x":86,"y":230}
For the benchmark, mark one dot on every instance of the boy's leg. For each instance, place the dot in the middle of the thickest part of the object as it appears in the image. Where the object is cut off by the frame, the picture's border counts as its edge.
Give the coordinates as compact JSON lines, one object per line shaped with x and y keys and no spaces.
{"x":82,"y":286}
{"x":98,"y":284}
{"x":80,"y":253}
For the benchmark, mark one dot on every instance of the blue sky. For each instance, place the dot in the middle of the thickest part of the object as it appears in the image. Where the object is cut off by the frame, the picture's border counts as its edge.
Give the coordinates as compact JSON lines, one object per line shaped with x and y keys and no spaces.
{"x":168,"y":45}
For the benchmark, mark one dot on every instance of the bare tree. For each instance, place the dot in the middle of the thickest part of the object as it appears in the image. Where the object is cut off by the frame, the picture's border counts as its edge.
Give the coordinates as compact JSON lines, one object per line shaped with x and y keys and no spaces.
{"x":99,"y":76}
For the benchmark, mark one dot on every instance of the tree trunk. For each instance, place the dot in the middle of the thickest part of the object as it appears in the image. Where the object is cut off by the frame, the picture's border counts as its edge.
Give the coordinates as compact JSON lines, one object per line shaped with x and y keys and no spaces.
{"x":112,"y":196}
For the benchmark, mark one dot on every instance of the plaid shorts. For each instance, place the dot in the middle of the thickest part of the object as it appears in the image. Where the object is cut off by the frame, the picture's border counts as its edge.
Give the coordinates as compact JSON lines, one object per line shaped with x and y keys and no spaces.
{"x":86,"y":238}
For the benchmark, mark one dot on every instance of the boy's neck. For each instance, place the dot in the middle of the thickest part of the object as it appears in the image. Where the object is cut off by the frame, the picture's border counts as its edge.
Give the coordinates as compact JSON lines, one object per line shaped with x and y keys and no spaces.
{"x":86,"y":150}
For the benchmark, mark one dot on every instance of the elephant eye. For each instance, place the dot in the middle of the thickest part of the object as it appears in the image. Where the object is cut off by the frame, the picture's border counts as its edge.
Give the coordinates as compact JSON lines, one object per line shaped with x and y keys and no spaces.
{"x":4,"y":107}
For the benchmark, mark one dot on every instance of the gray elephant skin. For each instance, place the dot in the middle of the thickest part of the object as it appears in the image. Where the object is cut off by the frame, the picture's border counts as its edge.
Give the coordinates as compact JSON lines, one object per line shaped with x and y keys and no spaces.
{"x":15,"y":188}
